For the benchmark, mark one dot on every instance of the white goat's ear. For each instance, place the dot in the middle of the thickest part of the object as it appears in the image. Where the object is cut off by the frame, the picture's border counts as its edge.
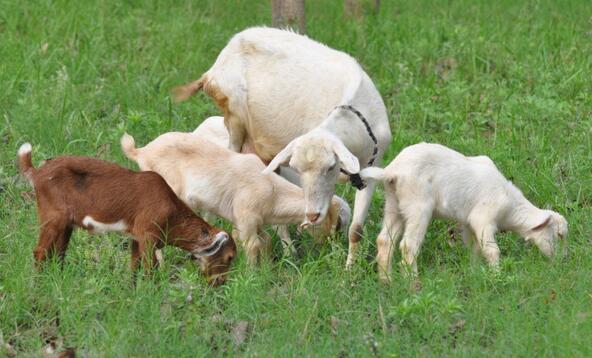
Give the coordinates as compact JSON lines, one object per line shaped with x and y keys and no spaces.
{"x":215,"y":246}
{"x":543,"y":224}
{"x":282,"y":157}
{"x":348,"y":161}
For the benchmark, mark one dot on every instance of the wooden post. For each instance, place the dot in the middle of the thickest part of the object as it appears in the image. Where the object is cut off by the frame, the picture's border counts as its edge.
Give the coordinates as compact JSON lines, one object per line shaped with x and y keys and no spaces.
{"x":289,"y":13}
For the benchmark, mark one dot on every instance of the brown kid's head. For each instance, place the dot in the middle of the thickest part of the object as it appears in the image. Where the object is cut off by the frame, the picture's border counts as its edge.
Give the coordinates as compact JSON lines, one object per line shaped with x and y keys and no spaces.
{"x":216,"y":258}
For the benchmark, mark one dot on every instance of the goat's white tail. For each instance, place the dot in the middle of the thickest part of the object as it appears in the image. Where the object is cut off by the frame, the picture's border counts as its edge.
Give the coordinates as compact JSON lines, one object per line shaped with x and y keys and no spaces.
{"x":181,"y":93}
{"x":372,"y":173}
{"x":24,"y":161}
{"x":128,"y":145}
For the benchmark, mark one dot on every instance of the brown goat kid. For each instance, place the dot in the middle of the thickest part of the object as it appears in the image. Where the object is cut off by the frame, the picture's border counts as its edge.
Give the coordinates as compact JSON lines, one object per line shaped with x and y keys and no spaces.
{"x":99,"y":196}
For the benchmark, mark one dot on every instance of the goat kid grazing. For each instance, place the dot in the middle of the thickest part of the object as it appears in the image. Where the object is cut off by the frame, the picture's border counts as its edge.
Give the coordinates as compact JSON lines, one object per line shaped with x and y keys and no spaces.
{"x":99,"y":196}
{"x":430,"y":180}
{"x":213,"y":129}
{"x":296,"y":101}
{"x":228,"y":184}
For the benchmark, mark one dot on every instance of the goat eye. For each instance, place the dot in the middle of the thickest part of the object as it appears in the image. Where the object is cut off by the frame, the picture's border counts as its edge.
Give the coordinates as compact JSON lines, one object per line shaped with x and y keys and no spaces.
{"x":332,"y":167}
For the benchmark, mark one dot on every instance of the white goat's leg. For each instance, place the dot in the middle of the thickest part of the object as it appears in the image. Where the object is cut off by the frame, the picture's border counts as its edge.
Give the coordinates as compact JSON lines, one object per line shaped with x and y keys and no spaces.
{"x":468,"y":240}
{"x":418,"y":218}
{"x":486,"y":240}
{"x":392,"y":228}
{"x":247,"y":234}
{"x":236,"y":132}
{"x":287,"y":243}
{"x":361,"y":206}
{"x":265,"y":248}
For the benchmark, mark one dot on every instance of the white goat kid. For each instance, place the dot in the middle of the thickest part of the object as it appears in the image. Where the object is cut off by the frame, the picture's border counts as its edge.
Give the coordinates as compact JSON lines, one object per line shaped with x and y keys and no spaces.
{"x":231,"y":185}
{"x":213,"y":129}
{"x":430,"y":180}
{"x":299,"y":102}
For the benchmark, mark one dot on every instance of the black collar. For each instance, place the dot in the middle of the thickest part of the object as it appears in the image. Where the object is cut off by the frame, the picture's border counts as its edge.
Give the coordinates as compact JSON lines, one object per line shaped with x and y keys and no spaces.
{"x":355,"y":179}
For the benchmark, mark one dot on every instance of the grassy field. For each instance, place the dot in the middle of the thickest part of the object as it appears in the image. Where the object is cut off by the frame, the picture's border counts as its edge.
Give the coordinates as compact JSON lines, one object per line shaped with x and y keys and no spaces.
{"x":509,"y":79}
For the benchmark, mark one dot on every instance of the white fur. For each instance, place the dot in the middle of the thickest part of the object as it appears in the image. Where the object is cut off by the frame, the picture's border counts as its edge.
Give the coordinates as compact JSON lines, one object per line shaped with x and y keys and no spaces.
{"x":25,"y":149}
{"x":213,"y":129}
{"x":97,"y":227}
{"x":430,"y":180}
{"x":231,"y":185}
{"x":296,"y":123}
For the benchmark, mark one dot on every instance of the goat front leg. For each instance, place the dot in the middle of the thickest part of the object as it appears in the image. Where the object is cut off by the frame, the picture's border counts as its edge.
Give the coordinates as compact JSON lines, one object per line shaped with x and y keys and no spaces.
{"x":247,"y":235}
{"x":287,"y":243}
{"x":469,"y":241}
{"x":361,"y":207}
{"x":144,"y":251}
{"x":486,"y":240}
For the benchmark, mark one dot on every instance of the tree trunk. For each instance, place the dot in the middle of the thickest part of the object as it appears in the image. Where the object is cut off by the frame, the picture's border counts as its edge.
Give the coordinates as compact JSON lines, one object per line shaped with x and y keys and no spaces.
{"x":288,"y":13}
{"x":356,"y":8}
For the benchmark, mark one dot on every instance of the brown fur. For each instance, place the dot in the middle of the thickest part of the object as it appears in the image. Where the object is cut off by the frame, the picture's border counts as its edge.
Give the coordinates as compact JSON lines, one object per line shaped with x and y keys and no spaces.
{"x":220,"y":98}
{"x":70,"y":188}
{"x":182,"y":93}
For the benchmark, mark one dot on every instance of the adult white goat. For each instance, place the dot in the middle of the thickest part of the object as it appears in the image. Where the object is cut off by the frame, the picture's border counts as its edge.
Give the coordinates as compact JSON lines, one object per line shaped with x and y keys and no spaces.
{"x":427,"y":180}
{"x":296,"y":101}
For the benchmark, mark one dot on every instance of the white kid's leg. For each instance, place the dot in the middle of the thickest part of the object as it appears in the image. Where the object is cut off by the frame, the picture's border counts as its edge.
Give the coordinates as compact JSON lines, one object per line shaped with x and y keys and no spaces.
{"x":418,"y":218}
{"x":392,"y":228}
{"x":287,"y":243}
{"x":486,"y":240}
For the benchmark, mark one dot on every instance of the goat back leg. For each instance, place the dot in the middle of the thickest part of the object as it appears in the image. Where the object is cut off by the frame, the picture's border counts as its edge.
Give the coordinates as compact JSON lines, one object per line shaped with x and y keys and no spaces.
{"x":361,"y":207}
{"x":392,"y":228}
{"x":54,"y":236}
{"x":418,"y":215}
{"x":236,"y":131}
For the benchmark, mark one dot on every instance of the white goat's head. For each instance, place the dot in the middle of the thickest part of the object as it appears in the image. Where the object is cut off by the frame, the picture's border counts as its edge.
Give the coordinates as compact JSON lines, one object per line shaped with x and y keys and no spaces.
{"x":317,"y":156}
{"x":545,"y":234}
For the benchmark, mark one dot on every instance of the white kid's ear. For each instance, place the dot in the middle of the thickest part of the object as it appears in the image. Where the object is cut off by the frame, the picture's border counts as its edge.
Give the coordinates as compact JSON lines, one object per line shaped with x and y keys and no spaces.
{"x":347,"y":160}
{"x":215,"y":246}
{"x":542,"y":224}
{"x":281,"y":158}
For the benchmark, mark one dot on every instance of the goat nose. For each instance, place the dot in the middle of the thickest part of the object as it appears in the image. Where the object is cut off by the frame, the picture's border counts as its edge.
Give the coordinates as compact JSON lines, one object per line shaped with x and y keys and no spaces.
{"x":312,"y":217}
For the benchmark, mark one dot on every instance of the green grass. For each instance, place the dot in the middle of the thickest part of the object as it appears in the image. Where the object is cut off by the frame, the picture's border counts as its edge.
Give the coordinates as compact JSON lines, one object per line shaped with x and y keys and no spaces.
{"x":509,"y":79}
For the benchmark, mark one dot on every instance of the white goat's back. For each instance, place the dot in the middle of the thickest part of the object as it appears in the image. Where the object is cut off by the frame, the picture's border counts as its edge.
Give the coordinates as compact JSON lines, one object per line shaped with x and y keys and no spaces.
{"x":213,"y":129}
{"x":292,"y":81}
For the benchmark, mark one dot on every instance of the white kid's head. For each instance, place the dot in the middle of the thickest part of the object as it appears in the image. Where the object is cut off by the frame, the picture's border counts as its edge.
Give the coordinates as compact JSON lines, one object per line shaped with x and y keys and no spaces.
{"x":547,"y":232}
{"x":317,"y":156}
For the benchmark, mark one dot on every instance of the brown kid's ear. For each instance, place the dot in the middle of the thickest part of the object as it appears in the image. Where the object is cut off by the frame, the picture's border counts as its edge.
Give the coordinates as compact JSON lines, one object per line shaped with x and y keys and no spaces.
{"x":219,"y":241}
{"x":543,"y":224}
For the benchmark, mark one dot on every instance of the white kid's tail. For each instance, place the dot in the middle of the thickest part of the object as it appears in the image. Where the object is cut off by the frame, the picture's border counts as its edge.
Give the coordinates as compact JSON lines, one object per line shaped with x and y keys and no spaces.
{"x":372,"y":173}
